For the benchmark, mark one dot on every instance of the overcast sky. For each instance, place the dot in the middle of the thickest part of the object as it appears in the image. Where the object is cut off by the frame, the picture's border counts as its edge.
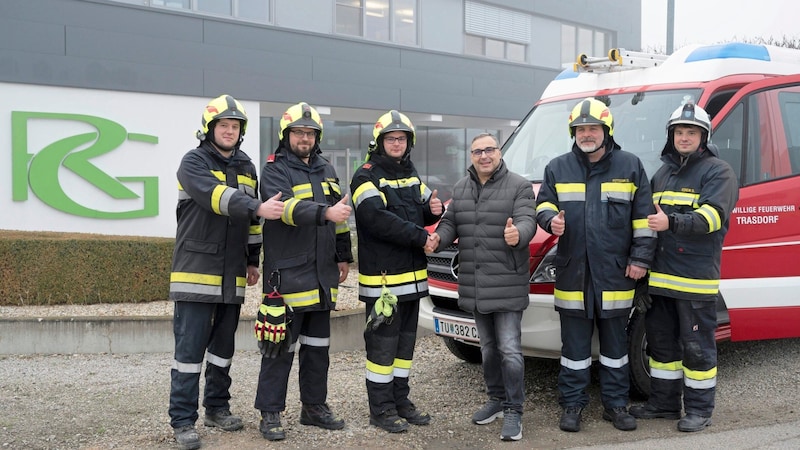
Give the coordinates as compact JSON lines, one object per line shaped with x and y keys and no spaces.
{"x":715,"y":21}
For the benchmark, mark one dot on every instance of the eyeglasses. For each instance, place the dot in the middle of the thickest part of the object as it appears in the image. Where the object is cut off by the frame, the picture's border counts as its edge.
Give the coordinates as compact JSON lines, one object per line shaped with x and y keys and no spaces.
{"x":392,"y":140}
{"x":301,"y":134}
{"x":488,"y":150}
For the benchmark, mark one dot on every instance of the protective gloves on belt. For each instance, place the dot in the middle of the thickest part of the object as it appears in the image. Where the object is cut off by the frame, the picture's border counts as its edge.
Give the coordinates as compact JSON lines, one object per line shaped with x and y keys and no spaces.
{"x":381,"y":313}
{"x":272,"y":325}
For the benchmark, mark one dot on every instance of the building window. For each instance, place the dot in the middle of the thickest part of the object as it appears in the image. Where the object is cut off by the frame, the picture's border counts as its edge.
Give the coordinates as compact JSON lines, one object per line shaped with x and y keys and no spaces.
{"x":251,"y":10}
{"x":576,"y":40}
{"x":348,"y":17}
{"x":496,"y":32}
{"x":379,"y":20}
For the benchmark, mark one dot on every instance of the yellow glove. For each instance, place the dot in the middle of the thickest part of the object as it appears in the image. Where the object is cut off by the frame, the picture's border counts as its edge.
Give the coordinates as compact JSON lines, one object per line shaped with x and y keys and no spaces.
{"x":381,"y":313}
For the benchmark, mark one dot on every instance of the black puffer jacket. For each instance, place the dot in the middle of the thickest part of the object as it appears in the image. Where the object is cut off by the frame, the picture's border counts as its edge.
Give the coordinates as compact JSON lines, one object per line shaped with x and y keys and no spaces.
{"x":492,"y":276}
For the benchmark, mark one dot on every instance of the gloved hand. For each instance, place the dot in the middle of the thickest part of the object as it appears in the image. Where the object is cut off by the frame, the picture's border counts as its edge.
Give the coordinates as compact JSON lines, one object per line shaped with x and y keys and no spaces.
{"x":641,"y":298}
{"x":381,"y":313}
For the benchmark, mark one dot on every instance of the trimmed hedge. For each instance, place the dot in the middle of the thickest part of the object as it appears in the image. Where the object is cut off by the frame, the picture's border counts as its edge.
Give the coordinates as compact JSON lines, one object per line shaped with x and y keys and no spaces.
{"x":45,"y":268}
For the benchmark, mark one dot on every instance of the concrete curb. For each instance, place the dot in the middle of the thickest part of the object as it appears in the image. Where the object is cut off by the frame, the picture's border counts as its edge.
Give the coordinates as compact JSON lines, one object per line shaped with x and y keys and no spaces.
{"x":66,"y":335}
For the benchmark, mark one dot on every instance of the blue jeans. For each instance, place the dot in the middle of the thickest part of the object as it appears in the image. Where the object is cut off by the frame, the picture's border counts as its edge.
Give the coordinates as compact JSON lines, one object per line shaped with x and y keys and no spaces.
{"x":501,"y":349}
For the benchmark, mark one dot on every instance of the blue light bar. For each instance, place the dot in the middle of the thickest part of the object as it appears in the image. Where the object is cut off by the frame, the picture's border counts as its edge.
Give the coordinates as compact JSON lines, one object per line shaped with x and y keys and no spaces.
{"x":731,"y":50}
{"x":566,"y":74}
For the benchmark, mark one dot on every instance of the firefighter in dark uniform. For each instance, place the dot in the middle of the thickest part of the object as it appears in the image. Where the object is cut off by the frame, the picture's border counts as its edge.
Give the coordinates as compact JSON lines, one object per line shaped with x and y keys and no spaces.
{"x":392,"y":205}
{"x":307,"y":254}
{"x":596,"y":198}
{"x":695,"y":192}
{"x":217,"y":248}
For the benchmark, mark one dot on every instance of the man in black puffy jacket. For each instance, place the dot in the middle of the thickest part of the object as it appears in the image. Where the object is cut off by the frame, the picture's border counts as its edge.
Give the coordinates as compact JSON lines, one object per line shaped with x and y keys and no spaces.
{"x":491,"y":215}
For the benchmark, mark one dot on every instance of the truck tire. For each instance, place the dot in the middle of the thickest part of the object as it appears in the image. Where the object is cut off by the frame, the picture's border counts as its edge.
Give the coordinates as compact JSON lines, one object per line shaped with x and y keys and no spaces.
{"x":638,"y":358}
{"x":462,"y":351}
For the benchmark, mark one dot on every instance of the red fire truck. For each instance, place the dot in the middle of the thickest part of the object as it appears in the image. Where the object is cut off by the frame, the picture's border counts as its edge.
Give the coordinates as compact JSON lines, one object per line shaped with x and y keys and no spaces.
{"x":752,"y":93}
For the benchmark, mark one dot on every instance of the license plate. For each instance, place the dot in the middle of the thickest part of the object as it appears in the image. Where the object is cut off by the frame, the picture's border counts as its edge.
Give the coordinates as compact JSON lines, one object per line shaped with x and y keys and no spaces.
{"x":460,"y":330}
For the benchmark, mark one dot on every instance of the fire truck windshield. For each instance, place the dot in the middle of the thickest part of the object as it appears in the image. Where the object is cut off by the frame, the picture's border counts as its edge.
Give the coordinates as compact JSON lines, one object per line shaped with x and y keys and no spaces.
{"x":639,"y":127}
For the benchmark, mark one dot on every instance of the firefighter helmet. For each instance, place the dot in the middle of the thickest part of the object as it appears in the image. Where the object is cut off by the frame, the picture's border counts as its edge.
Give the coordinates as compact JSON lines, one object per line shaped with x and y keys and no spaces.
{"x":394,"y":121}
{"x":690,"y":114}
{"x":301,"y":115}
{"x":222,"y":107}
{"x":591,"y":111}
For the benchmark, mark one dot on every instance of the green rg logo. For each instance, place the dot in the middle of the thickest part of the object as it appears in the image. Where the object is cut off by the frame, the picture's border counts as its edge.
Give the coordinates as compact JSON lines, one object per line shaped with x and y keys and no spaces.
{"x":40,"y":170}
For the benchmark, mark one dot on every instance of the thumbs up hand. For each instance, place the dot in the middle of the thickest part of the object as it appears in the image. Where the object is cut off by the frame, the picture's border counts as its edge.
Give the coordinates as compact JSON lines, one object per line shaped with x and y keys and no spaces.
{"x":436,"y":203}
{"x":340,"y":211}
{"x":511,"y":233}
{"x":272,"y":208}
{"x":658,"y":221}
{"x":558,"y":224}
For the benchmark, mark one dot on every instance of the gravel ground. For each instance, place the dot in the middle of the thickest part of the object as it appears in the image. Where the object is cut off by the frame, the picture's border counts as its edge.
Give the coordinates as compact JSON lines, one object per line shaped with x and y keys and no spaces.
{"x":103,"y":401}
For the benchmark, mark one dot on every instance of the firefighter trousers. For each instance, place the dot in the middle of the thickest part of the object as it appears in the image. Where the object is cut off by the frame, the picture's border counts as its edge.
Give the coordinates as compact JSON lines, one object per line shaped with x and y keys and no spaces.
{"x":312,"y":331}
{"x":202,"y":330}
{"x":390,"y":351}
{"x":683,"y":354}
{"x":576,"y":360}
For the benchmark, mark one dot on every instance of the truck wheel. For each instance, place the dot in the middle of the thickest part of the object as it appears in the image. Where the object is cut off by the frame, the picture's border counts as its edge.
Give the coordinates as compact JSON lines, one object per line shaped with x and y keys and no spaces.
{"x":465,"y":352}
{"x":638,"y":357}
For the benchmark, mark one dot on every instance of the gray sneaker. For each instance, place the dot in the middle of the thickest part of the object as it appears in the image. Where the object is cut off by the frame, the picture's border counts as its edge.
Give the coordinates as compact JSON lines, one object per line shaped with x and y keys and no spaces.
{"x":187,"y":437}
{"x":223,"y":419}
{"x":512,"y":425}
{"x":490,"y":411}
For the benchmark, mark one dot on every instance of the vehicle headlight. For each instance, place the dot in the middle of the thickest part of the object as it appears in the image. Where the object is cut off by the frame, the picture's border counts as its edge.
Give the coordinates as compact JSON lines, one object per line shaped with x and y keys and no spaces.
{"x":546,"y":270}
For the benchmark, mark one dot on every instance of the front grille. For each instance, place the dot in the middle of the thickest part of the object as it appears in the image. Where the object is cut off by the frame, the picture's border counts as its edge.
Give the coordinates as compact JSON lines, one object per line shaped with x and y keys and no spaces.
{"x":450,"y":304}
{"x":440,"y":264}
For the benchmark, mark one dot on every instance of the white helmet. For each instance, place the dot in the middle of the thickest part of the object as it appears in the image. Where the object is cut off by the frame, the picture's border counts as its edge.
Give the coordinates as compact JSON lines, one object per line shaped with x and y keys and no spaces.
{"x":690,"y":114}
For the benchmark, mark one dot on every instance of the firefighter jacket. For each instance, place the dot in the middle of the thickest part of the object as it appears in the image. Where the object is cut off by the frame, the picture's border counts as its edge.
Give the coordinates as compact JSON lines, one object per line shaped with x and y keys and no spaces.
{"x":698,"y":194}
{"x":302,"y":247}
{"x":492,"y":276}
{"x":606,"y":205}
{"x":392,"y":205}
{"x":218,"y":233}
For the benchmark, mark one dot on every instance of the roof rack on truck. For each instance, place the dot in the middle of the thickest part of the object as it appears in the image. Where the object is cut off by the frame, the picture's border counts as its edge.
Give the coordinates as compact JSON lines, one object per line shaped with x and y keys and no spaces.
{"x":617,"y":59}
{"x":690,"y":64}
